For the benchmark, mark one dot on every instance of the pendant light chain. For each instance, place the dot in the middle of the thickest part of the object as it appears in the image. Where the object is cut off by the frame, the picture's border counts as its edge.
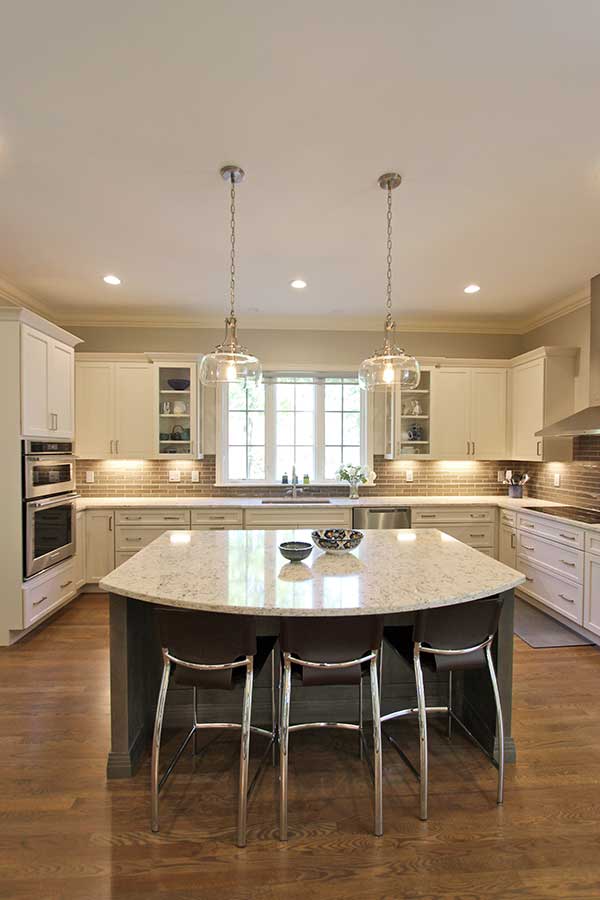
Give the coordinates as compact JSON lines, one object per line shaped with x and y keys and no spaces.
{"x":389,"y":250}
{"x":232,"y":267}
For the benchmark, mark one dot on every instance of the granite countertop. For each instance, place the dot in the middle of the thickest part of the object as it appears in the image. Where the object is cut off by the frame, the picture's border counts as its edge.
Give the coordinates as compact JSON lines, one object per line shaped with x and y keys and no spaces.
{"x":256,"y":502}
{"x":243,"y":572}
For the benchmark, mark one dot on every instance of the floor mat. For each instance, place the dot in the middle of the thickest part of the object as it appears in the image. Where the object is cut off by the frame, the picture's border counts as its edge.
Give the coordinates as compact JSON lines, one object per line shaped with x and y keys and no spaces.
{"x":539,"y":630}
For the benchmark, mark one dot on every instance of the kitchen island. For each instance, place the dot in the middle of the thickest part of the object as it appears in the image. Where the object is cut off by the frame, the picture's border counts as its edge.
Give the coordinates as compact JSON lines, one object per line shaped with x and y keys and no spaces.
{"x":392,"y":573}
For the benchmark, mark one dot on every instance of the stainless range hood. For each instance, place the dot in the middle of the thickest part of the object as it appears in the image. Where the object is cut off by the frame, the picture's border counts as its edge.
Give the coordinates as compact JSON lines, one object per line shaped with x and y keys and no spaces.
{"x":586,"y":421}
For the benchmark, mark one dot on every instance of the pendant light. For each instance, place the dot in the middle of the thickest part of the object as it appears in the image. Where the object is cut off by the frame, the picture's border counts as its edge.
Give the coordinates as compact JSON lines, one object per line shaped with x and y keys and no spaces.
{"x":230,"y":362}
{"x":389,"y":365}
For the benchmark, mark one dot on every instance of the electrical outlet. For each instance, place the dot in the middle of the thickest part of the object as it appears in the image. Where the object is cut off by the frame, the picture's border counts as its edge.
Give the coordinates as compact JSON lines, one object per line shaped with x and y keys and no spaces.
{"x":557,"y":479}
{"x":195,"y":475}
{"x":500,"y":476}
{"x":409,"y":474}
{"x":89,"y":476}
{"x":174,"y":475}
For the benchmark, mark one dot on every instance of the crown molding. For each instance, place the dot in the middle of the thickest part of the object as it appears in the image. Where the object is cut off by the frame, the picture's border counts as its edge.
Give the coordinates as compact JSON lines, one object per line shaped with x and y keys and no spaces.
{"x":14,"y":296}
{"x":558,"y":310}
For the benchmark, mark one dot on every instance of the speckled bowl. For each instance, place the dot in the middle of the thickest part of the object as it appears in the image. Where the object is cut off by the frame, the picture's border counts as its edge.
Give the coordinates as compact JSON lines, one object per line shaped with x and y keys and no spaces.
{"x":337,"y":540}
{"x":295,"y":551}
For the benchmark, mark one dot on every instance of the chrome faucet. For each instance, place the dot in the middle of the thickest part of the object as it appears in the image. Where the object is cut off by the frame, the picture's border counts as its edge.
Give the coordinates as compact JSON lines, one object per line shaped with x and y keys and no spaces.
{"x":294,"y":490}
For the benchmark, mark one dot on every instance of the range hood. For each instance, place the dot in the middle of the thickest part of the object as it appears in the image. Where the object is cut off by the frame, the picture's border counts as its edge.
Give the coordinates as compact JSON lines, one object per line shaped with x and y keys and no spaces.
{"x":586,"y":421}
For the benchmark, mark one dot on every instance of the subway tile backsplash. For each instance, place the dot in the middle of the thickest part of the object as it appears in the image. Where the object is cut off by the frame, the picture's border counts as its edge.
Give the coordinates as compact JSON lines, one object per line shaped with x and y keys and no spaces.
{"x":579,"y":480}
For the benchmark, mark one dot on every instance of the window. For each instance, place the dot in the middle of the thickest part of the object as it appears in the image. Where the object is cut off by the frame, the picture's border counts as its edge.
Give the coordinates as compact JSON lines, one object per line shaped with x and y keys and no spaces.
{"x":314,"y":423}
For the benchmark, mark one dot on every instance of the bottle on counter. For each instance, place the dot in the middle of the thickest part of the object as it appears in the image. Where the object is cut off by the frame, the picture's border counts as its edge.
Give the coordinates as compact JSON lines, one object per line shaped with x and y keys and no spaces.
{"x":306,"y":480}
{"x":284,"y":478}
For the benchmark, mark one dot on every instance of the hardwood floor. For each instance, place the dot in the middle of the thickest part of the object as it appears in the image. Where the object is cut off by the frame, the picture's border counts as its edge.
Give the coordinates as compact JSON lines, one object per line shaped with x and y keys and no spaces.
{"x":67,"y":834}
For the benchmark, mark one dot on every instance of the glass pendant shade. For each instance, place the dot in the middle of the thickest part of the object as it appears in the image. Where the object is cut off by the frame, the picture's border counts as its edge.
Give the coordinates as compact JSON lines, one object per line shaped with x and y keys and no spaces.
{"x":229,"y":361}
{"x":389,"y":366}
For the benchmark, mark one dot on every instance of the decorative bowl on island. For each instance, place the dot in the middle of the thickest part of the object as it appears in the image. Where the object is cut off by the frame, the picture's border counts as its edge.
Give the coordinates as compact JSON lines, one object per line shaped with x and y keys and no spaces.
{"x":295,"y":551}
{"x":179,"y":384}
{"x":337,"y":540}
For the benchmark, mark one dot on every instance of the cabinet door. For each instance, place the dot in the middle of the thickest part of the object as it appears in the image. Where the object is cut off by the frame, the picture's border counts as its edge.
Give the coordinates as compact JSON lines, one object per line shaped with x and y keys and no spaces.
{"x":450,"y":414}
{"x":488,"y":413}
{"x":134,"y":411}
{"x":94,"y":409}
{"x":35,"y":414}
{"x":80,"y":550}
{"x":507,"y":546}
{"x":60,"y":388}
{"x":389,"y":423}
{"x":527,"y":401}
{"x":591,"y":606}
{"x":99,"y":544}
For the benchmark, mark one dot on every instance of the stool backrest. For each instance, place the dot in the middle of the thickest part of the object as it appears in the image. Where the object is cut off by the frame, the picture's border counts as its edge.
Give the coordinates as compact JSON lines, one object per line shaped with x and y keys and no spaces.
{"x":331,"y":639}
{"x":205,"y":637}
{"x":459,"y":626}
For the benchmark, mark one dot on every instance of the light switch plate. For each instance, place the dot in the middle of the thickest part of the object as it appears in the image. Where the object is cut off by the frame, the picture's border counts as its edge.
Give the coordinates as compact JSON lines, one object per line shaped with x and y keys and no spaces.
{"x":500,"y":476}
{"x":174,"y":475}
{"x":557,"y":479}
{"x":89,"y":476}
{"x":409,"y":474}
{"x":195,"y":476}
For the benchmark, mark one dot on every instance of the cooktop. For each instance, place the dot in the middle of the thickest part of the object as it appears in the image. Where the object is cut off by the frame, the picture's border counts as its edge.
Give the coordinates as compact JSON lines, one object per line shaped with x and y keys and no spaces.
{"x":577,"y":513}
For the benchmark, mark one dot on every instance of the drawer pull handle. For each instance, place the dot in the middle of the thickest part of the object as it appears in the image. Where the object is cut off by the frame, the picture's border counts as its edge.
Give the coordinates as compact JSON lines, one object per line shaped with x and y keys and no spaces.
{"x":527,"y":578}
{"x":216,"y":518}
{"x":476,"y":535}
{"x":66,"y":584}
{"x":133,"y":539}
{"x":37,"y":602}
{"x":428,"y":516}
{"x":512,"y":542}
{"x":567,"y":537}
{"x":171,"y":518}
{"x":133,"y":518}
{"x":566,"y":562}
{"x":527,"y":525}
{"x":525,"y":547}
{"x":217,"y":528}
{"x":568,"y":599}
{"x":477,"y":515}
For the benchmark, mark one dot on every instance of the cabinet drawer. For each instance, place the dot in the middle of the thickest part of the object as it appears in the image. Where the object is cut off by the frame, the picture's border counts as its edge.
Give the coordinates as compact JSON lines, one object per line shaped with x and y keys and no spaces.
{"x":122,"y":557}
{"x":592,"y":542}
{"x":51,"y":590}
{"x":563,"y":596}
{"x":167,"y":517}
{"x":131,"y":539}
{"x":223,"y":516}
{"x":299,"y":518}
{"x":508,"y":518}
{"x":558,"y":557}
{"x":550,"y":528}
{"x":433,"y":514}
{"x":473,"y":535}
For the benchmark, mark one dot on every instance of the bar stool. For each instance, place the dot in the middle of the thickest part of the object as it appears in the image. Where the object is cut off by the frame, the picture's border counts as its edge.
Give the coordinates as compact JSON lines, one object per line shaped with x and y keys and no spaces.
{"x":212,"y":651}
{"x":329,"y":651}
{"x":448,"y":639}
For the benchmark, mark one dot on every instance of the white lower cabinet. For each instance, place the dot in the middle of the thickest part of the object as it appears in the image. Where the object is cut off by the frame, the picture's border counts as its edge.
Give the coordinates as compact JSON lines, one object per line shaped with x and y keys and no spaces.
{"x":318,"y":517}
{"x":565,"y":597}
{"x":473,"y":525}
{"x":79,"y":558}
{"x":47,"y":592}
{"x":591,"y":606}
{"x":507,"y":545}
{"x":99,"y":544}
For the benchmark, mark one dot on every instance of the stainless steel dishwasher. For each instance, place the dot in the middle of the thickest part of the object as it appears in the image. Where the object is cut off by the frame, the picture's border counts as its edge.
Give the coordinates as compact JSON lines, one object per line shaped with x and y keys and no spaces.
{"x":381,"y":517}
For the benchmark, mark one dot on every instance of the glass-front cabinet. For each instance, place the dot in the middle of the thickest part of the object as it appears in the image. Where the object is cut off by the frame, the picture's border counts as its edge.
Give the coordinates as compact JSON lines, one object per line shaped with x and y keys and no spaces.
{"x":177,"y":410}
{"x":407,"y":420}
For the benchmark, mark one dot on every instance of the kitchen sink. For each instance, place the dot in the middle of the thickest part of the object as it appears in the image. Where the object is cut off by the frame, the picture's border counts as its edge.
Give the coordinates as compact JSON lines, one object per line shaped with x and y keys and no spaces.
{"x":287,"y":500}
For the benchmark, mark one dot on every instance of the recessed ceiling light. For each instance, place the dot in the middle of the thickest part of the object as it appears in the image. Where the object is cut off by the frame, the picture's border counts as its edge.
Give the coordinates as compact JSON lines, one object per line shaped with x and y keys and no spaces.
{"x":298,"y":283}
{"x":472,"y":289}
{"x":112,"y":279}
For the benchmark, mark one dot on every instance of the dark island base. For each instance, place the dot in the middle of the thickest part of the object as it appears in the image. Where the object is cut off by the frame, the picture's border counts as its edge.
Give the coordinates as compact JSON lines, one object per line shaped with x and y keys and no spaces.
{"x":136,"y":665}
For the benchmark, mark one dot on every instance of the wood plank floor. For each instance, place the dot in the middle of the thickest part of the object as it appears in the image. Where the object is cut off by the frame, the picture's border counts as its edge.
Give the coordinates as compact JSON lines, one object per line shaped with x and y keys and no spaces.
{"x":67,"y":834}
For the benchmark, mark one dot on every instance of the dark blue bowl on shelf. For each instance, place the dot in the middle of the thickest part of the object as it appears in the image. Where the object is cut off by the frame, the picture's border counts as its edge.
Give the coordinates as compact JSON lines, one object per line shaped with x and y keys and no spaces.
{"x":179,"y":384}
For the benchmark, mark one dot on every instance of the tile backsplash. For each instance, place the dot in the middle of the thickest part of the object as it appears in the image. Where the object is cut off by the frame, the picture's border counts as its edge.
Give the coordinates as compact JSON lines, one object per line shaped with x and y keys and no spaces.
{"x":579,"y":480}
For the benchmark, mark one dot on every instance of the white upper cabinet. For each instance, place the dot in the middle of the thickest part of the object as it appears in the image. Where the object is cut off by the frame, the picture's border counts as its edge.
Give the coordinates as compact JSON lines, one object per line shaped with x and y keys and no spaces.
{"x":541,"y":392}
{"x":406,"y":420}
{"x":47,"y":373}
{"x":468,"y":413}
{"x":114,"y":403}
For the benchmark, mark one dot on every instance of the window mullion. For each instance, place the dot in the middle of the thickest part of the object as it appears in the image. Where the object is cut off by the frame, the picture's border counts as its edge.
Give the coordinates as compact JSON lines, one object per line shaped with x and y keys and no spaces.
{"x":319,"y":432}
{"x":270,"y":432}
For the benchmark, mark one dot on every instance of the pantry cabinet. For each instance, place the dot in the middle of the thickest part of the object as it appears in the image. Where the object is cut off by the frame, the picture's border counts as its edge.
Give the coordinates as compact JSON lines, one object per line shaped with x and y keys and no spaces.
{"x":47,"y":385}
{"x":469,"y":413}
{"x":114,"y":410}
{"x":541,"y":392}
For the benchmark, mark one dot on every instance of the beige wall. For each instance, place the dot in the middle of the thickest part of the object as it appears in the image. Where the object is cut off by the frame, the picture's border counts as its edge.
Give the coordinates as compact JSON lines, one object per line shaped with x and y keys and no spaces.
{"x":344,"y":348}
{"x":572,"y":330}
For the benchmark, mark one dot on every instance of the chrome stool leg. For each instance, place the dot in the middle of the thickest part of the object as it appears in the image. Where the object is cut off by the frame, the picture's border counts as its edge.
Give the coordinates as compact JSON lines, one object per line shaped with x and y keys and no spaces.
{"x":244,"y":754}
{"x":158,"y":723}
{"x":500,"y":724}
{"x":283,"y":747}
{"x":423,"y":754}
{"x":450,"y":704}
{"x":360,"y":719}
{"x":274,"y":707}
{"x":377,"y":748}
{"x":195,"y":721}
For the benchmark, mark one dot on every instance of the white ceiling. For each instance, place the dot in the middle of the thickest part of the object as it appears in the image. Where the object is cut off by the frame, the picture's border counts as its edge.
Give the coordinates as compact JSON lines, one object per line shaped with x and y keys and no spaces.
{"x":116,"y":116}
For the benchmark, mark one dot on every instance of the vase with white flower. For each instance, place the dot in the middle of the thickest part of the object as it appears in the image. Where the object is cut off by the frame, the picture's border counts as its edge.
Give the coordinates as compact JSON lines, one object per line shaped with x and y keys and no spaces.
{"x":354,"y":475}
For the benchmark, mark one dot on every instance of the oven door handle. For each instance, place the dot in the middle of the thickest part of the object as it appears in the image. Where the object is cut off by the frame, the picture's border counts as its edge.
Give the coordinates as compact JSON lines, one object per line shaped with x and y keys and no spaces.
{"x":59,"y":500}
